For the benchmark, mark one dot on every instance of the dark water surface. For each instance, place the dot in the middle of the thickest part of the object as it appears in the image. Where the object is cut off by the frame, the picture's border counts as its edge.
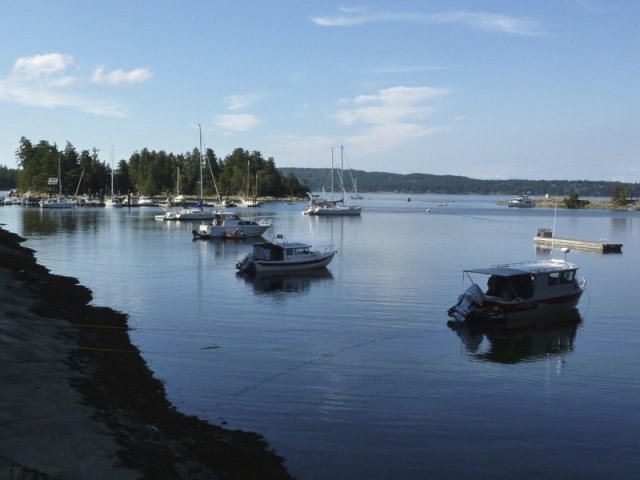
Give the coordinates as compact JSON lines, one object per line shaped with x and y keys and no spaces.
{"x":352,"y":372}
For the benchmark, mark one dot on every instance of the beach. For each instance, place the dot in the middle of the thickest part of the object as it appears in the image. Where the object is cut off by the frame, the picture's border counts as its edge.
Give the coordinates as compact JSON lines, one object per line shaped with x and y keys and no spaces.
{"x":77,"y":400}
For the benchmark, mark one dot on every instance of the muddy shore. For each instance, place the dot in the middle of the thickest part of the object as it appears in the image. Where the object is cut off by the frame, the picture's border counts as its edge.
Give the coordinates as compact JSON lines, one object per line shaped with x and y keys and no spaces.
{"x":77,"y":400}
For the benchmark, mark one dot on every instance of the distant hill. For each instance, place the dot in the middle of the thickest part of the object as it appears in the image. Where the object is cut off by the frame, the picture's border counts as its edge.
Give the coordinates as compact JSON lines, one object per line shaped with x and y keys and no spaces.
{"x":416,"y":183}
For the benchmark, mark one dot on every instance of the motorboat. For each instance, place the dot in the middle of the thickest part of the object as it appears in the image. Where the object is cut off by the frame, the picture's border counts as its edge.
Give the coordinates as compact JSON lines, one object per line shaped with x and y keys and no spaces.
{"x":195,"y":213}
{"x":56,"y":202}
{"x":517,"y":294}
{"x":279,"y":255}
{"x":167,"y":215}
{"x":230,"y":225}
{"x":521,"y":201}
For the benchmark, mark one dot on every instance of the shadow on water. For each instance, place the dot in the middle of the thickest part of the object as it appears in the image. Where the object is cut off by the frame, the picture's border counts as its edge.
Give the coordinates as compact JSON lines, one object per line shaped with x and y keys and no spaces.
{"x":551,"y":336}
{"x":287,"y":282}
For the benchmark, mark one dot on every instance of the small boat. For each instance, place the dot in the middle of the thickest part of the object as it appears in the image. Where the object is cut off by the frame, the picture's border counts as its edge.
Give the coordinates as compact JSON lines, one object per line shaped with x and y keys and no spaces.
{"x":228,"y":224}
{"x":280,"y":255}
{"x":516,"y":294}
{"x":521,"y":201}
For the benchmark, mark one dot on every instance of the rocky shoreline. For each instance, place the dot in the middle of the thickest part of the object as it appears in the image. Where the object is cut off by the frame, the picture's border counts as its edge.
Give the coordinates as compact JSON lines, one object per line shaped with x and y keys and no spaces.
{"x":543,"y":202}
{"x":83,"y":366}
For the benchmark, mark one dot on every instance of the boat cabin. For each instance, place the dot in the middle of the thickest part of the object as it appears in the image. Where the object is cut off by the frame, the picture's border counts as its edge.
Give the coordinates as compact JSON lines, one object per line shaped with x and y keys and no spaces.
{"x":530,"y":280}
{"x":279,"y":251}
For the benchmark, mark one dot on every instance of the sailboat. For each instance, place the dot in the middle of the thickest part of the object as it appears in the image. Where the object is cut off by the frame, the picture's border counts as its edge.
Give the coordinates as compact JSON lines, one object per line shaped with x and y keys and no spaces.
{"x":248,"y":202}
{"x":334,"y":207}
{"x":60,"y":201}
{"x":196,"y":212}
{"x":113,"y":200}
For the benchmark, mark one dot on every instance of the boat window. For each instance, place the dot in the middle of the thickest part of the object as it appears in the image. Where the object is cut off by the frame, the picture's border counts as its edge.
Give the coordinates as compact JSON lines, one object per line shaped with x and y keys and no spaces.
{"x":567,"y":277}
{"x":289,"y":251}
{"x":553,"y":278}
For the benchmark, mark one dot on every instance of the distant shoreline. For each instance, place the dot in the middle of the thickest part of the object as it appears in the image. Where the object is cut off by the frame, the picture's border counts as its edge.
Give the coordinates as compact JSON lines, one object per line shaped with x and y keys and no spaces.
{"x":543,"y":202}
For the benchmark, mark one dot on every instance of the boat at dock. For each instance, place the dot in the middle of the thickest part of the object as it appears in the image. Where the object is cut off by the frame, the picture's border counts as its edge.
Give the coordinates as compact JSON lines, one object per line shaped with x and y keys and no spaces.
{"x":279,"y":255}
{"x":517,"y":295}
{"x":544,"y":239}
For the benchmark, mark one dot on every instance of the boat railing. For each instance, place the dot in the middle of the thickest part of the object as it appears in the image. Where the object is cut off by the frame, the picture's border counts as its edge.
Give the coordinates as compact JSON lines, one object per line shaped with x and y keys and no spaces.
{"x":323,"y":249}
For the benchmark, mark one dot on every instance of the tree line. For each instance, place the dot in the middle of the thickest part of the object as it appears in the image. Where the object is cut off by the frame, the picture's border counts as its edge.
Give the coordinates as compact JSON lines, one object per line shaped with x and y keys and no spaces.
{"x":421,"y":183}
{"x":244,"y":173}
{"x":152,"y":173}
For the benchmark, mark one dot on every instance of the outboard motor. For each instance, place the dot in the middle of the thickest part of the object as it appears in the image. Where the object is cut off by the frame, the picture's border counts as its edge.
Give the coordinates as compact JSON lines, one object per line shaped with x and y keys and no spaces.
{"x":470,"y":300}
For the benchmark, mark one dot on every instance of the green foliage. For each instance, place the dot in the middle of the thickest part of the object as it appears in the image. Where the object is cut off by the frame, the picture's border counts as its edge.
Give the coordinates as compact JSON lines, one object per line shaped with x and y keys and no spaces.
{"x":620,"y":195}
{"x":572,"y":201}
{"x":151,"y":173}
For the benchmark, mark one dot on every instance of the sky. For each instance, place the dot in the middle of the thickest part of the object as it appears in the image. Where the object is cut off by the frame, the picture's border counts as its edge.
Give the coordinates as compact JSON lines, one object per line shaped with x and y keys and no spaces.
{"x":488,"y":89}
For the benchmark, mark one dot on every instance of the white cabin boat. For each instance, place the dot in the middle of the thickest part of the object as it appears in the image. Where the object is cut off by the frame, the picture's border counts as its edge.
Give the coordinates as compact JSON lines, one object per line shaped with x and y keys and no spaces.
{"x":516,"y":294}
{"x":282,"y":256}
{"x":521,"y":201}
{"x":230,"y":225}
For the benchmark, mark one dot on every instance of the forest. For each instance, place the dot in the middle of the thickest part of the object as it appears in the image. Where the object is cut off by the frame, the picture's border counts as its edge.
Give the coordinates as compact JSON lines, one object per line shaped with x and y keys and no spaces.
{"x":244,"y":173}
{"x":152,"y":173}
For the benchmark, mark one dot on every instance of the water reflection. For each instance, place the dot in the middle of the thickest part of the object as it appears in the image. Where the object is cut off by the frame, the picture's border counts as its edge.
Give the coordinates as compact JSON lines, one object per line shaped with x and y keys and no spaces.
{"x":274,"y":283}
{"x":552,"y":336}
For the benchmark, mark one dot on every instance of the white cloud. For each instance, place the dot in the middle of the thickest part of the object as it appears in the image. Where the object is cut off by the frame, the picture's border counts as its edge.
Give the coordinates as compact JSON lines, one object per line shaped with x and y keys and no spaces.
{"x":120,"y":77}
{"x":43,"y":81}
{"x":389,"y":106}
{"x":241,"y":122}
{"x":41,"y":65}
{"x":236,"y":102}
{"x":484,"y":21}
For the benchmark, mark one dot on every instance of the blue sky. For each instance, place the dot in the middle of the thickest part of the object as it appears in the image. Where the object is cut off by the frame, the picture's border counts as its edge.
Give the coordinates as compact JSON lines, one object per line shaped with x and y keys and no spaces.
{"x":545,"y":89}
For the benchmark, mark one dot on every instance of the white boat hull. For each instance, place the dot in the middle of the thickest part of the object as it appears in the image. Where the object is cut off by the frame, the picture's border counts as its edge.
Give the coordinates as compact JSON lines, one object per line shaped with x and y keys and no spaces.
{"x":265,"y":266}
{"x":336,"y":210}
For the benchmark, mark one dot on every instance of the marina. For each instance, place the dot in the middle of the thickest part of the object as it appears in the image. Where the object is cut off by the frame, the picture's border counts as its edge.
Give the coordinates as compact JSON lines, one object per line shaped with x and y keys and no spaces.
{"x":352,"y":372}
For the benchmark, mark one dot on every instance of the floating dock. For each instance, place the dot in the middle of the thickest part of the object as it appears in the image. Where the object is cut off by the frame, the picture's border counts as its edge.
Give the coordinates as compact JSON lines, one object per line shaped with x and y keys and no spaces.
{"x":544,"y":238}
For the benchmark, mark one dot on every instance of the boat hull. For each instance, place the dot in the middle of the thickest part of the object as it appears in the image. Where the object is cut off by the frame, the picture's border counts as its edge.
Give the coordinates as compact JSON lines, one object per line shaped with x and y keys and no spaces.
{"x":273,"y":266}
{"x":335,"y":211}
{"x":495,"y":316}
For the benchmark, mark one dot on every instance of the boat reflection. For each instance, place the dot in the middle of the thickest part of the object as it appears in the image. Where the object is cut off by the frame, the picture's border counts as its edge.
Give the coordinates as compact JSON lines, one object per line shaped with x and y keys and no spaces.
{"x":552,"y":336}
{"x":273,"y":283}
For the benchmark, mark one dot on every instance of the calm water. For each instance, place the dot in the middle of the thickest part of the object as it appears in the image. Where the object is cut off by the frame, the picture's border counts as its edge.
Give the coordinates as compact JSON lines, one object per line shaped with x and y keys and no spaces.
{"x":353,"y":373}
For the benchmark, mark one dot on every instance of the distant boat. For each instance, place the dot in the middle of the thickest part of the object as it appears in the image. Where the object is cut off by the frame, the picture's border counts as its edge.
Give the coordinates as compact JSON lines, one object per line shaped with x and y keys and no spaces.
{"x":197,"y":211}
{"x":251,"y":202}
{"x":521,"y":201}
{"x":113,"y":200}
{"x":280,"y":255}
{"x":324,"y":207}
{"x":59,"y":201}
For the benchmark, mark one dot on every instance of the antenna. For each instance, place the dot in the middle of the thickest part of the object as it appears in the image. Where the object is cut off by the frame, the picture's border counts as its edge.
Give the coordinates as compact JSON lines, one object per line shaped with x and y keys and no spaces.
{"x":565,"y":250}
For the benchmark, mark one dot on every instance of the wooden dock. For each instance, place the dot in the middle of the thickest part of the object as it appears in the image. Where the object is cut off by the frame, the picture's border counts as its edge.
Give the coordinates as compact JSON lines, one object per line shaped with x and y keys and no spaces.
{"x":544,"y":238}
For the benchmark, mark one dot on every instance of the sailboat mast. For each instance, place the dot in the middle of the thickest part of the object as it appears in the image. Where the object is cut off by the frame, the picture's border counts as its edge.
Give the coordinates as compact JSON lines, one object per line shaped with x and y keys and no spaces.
{"x":59,"y":180}
{"x":200,"y":130}
{"x":342,"y":171}
{"x":332,"y":167}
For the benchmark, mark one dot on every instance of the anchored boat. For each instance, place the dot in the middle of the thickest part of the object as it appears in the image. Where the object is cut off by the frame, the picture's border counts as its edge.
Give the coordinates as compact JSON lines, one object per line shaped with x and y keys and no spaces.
{"x":282,"y":256}
{"x":517,"y":294}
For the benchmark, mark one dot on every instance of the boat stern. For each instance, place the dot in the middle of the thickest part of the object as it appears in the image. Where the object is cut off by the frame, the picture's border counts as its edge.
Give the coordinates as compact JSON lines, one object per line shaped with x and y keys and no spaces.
{"x":470,"y":300}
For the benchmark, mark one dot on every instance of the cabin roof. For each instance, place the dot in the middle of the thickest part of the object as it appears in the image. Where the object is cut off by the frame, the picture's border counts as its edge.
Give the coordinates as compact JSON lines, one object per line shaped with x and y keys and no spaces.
{"x":525,"y":268}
